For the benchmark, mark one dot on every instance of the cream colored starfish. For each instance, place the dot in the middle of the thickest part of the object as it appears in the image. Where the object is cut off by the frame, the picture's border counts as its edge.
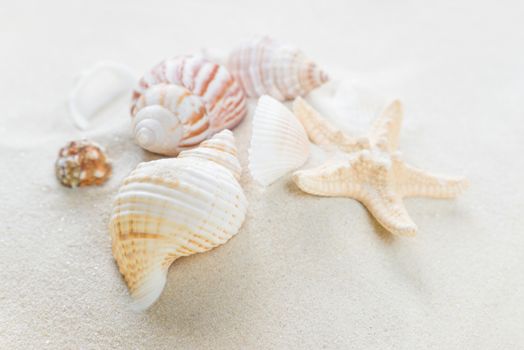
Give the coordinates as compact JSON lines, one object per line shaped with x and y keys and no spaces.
{"x":374,"y":172}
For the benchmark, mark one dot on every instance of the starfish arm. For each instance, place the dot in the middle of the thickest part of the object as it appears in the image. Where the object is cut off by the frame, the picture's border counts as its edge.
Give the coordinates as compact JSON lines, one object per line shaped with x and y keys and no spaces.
{"x":412,"y":182}
{"x":389,"y":210}
{"x":337,"y":179}
{"x":362,"y":179}
{"x":321,"y":131}
{"x":385,"y":131}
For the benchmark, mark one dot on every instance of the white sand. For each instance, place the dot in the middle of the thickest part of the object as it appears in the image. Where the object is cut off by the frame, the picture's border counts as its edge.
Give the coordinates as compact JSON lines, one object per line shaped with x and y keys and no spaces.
{"x":303,"y":272}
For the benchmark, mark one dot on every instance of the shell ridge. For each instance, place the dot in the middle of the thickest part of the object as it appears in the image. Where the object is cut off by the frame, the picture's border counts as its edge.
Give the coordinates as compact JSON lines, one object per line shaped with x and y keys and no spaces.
{"x":281,"y":145}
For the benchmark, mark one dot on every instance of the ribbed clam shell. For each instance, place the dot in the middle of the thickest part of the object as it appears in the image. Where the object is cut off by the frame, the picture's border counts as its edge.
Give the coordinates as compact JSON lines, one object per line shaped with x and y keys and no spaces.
{"x":167,"y":209}
{"x":82,"y":163}
{"x":199,"y":95}
{"x":265,"y":67}
{"x":279,"y":142}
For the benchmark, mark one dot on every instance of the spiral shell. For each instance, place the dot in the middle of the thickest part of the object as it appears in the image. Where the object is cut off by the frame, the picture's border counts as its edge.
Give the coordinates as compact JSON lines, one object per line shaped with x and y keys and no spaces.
{"x":175,"y":207}
{"x":183,"y":101}
{"x":265,"y":67}
{"x":82,"y":163}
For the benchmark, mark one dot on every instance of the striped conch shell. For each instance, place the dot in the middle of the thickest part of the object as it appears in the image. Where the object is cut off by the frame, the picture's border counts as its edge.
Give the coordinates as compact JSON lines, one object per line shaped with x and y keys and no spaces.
{"x":183,"y":101}
{"x":175,"y":207}
{"x":263,"y":66}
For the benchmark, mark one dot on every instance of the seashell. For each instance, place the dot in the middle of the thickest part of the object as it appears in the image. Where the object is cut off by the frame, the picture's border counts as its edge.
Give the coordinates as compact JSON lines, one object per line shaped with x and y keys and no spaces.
{"x":279,"y":142}
{"x":175,"y":207}
{"x":183,"y":101}
{"x":263,"y":66}
{"x":82,"y":163}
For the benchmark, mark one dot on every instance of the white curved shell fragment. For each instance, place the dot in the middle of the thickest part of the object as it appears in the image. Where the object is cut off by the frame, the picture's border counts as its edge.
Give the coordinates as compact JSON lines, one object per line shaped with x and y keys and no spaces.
{"x":171,"y":208}
{"x":279,"y":143}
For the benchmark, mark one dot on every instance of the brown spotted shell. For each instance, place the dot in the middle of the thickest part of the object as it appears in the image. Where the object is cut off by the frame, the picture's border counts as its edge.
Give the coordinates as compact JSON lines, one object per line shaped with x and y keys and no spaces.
{"x":82,"y":163}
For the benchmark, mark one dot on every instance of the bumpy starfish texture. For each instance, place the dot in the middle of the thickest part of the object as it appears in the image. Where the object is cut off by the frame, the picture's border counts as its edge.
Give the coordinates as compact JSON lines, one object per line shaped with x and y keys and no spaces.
{"x":373,"y":172}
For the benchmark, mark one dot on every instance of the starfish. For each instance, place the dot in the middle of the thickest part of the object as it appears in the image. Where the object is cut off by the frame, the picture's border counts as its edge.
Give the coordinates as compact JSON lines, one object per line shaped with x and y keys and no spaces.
{"x":373,"y":171}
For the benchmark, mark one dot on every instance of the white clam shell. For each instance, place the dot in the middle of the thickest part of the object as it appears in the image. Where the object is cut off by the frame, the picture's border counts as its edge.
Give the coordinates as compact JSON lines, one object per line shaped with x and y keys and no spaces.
{"x":171,"y":208}
{"x":279,"y":143}
{"x":264,"y":66}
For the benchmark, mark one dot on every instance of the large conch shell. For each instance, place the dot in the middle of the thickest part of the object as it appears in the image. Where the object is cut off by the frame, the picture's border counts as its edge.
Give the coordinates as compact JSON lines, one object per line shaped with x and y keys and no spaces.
{"x":175,"y":207}
{"x":263,"y":66}
{"x":182,"y":101}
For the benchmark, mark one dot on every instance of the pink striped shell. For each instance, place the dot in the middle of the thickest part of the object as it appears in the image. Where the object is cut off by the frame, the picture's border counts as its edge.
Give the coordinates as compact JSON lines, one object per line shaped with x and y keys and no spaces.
{"x":183,"y":101}
{"x":263,"y":66}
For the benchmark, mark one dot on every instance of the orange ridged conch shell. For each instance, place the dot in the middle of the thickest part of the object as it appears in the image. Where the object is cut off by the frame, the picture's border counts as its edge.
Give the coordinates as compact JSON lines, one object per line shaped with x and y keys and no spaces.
{"x":175,"y":207}
{"x":183,"y":101}
{"x":264,"y":66}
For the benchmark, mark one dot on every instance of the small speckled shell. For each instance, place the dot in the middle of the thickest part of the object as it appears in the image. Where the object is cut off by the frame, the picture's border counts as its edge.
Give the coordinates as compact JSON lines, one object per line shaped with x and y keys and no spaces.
{"x":182,"y":101}
{"x":82,"y":163}
{"x":265,"y":67}
{"x":175,"y":207}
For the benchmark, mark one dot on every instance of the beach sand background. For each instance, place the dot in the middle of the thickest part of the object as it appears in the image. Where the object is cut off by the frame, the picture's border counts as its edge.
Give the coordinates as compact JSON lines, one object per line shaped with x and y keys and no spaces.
{"x":304,"y":271}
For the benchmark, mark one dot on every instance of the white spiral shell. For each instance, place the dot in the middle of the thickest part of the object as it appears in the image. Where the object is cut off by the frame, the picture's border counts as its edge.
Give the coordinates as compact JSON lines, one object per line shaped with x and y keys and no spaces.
{"x":182,"y":101}
{"x":175,"y":207}
{"x":263,"y":66}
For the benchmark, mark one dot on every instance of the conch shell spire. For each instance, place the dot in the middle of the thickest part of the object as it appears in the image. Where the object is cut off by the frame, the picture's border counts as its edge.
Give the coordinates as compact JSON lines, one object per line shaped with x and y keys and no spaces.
{"x":220,"y":149}
{"x":311,"y":76}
